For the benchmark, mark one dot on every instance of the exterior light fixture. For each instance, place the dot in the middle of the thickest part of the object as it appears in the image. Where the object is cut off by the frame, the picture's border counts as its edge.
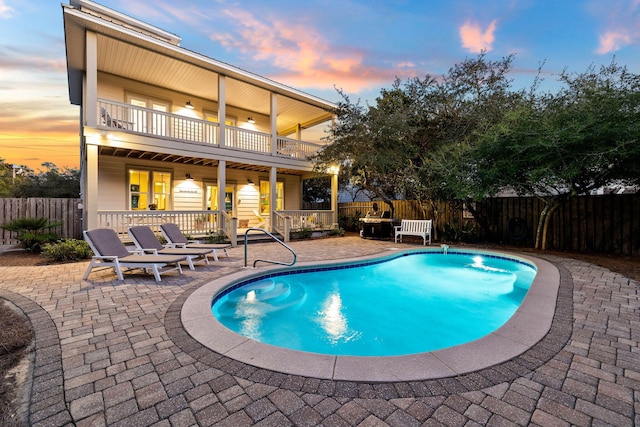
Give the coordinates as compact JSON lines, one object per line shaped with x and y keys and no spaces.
{"x":250,"y":120}
{"x":250,"y":181}
{"x":189,"y":177}
{"x":189,"y":105}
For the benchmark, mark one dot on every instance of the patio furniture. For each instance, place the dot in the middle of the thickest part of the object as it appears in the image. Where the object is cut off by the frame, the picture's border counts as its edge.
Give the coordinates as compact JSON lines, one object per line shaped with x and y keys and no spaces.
{"x":174,"y":236}
{"x":146,"y":240}
{"x":111,"y":253}
{"x":414,"y":227}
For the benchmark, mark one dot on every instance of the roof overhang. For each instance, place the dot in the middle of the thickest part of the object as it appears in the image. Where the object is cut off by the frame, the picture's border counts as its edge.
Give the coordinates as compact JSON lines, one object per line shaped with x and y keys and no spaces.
{"x":153,"y":56}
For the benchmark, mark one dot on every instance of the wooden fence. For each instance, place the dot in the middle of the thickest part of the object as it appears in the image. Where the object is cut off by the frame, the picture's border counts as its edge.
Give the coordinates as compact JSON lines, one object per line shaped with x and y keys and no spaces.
{"x":605,"y":223}
{"x":608,"y":223}
{"x":63,"y":210}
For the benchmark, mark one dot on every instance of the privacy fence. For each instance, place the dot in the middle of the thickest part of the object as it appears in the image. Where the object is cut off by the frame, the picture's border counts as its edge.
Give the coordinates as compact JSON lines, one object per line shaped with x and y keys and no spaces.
{"x":606,"y":223}
{"x":56,"y":210}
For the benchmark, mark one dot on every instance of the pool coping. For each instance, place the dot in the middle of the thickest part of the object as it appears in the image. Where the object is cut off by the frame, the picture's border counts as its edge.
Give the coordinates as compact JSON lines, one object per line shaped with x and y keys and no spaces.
{"x":527,"y":326}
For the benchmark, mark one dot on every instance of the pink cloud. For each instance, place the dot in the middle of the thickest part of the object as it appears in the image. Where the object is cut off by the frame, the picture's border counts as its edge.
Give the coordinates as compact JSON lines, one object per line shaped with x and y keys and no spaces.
{"x":308,"y":58}
{"x":474,"y":39}
{"x":622,"y":25}
{"x":612,"y":41}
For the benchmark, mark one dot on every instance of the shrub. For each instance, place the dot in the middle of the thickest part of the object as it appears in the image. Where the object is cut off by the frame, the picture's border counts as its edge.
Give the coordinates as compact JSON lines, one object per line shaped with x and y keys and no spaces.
{"x":304,"y":233}
{"x":212,"y":237}
{"x":67,"y":250}
{"x":32,"y":233}
{"x":336,"y":232}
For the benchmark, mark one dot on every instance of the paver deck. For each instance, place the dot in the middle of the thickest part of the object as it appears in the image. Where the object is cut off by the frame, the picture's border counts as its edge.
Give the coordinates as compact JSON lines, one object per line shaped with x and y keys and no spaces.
{"x":115,"y":353}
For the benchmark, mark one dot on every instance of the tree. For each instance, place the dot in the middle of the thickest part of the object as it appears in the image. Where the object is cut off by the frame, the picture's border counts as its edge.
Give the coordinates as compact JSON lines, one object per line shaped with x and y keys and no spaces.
{"x":557,"y":146}
{"x":52,"y":182}
{"x":410,"y":143}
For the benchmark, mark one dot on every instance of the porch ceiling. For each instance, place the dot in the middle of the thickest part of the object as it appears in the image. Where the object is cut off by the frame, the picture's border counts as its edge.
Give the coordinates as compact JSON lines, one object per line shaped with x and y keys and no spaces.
{"x":187,"y":160}
{"x":127,"y":53}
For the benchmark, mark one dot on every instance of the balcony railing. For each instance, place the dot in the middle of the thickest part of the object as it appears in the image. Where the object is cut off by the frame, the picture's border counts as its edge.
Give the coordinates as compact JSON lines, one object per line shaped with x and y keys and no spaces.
{"x":145,"y":121}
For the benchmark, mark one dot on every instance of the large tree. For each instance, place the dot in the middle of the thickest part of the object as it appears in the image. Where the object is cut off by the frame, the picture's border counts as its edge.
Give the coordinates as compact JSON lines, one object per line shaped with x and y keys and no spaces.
{"x":573,"y":142}
{"x":410,"y":144}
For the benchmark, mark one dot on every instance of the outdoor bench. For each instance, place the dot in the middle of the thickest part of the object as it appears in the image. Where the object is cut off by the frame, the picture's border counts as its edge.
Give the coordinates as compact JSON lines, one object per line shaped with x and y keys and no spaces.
{"x":414,"y":227}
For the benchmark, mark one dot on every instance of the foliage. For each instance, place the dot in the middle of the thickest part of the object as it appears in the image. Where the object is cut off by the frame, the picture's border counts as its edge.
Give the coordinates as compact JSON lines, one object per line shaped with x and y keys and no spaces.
{"x":350,"y":222}
{"x":412,"y":144}
{"x":316,"y":189}
{"x":32,"y":233}
{"x":460,"y":232}
{"x":67,"y":250}
{"x":469,"y":135}
{"x":52,"y":182}
{"x":303,"y":233}
{"x":556,"y":146}
{"x":212,"y":237}
{"x":336,"y":232}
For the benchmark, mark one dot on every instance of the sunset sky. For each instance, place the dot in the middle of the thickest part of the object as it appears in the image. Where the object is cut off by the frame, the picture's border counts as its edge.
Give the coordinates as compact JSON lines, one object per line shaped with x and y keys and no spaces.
{"x":359,"y":46}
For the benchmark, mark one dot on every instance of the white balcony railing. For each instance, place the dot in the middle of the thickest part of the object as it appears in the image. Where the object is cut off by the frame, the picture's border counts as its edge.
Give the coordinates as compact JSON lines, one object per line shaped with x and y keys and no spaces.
{"x":129,"y":118}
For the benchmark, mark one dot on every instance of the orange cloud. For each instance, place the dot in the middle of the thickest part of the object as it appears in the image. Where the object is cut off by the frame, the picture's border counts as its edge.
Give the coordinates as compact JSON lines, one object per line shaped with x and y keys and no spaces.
{"x":474,"y":39}
{"x":309,"y":60}
{"x":622,"y":25}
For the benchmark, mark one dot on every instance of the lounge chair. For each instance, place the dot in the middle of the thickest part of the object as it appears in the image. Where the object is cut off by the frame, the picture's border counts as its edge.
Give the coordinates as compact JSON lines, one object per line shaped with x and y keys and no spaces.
{"x":111,"y":253}
{"x":174,"y":237}
{"x":146,"y":240}
{"x":262,"y":221}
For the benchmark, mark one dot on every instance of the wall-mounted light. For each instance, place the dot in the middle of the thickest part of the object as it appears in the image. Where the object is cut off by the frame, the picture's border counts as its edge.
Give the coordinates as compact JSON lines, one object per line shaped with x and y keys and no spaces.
{"x":189,"y":105}
{"x":250,"y":181}
{"x":250,"y":120}
{"x":188,"y":177}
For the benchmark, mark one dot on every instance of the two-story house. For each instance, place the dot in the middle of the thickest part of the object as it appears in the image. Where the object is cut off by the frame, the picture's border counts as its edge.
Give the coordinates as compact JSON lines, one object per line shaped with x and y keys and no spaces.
{"x":170,"y":135}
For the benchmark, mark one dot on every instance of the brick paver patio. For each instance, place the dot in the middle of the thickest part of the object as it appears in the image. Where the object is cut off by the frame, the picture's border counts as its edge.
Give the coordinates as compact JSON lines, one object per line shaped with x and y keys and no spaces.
{"x":114,"y":353}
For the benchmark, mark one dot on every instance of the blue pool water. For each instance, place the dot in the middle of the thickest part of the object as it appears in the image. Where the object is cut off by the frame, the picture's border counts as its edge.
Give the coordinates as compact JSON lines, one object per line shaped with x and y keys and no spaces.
{"x":413,"y":303}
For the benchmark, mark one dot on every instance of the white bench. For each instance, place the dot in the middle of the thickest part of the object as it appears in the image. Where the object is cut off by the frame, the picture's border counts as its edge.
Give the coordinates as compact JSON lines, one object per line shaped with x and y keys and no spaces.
{"x":414,"y":227}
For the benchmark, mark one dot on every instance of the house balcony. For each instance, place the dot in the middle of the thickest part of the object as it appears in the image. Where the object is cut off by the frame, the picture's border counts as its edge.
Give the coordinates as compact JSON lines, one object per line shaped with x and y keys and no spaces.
{"x":127,"y":118}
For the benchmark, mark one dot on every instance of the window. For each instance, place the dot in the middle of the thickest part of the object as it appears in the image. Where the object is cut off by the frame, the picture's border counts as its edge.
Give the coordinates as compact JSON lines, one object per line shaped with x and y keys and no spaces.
{"x":149,"y":189}
{"x":264,"y":196}
{"x":212,"y":198}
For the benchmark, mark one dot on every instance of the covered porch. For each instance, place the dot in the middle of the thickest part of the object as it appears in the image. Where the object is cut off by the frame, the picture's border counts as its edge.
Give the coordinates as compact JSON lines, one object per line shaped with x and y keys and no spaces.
{"x":205,"y":224}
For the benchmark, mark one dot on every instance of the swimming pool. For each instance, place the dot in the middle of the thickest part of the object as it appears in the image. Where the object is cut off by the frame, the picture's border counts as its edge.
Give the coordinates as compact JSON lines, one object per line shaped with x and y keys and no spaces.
{"x":528,"y":325}
{"x":412,"y":303}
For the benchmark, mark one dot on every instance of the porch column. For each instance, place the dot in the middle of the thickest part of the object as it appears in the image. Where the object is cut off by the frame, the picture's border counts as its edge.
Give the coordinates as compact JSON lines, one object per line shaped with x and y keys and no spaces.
{"x":334,"y":198}
{"x":91,"y":192}
{"x":274,"y":124}
{"x":222,"y":111}
{"x":222,"y":184}
{"x":273,"y":197}
{"x":91,"y":81}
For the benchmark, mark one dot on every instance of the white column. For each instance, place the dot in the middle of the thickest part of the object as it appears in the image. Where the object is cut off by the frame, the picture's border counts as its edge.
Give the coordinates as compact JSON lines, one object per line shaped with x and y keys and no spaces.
{"x":274,"y":123}
{"x":334,"y":198}
{"x":91,"y":192}
{"x":91,"y":81}
{"x":222,"y":183}
{"x":222,"y":110}
{"x":273,"y":178}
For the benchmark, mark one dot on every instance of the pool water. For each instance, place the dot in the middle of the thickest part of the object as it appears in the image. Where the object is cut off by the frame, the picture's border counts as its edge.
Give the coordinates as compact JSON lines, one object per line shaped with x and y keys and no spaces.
{"x":409,"y":304}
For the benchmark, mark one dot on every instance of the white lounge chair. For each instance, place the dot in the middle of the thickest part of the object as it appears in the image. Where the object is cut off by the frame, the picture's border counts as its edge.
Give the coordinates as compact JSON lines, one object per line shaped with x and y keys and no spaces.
{"x":111,"y":253}
{"x":174,"y":237}
{"x":146,"y":240}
